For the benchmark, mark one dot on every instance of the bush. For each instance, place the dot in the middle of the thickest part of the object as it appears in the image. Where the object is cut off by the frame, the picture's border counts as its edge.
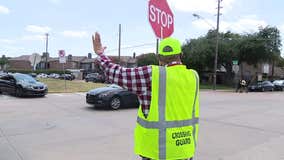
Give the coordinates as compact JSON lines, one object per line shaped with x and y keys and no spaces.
{"x":39,"y":71}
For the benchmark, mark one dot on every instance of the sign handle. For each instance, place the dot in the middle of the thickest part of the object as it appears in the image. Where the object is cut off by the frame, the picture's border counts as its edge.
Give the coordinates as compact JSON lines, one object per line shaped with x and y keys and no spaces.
{"x":157,"y":46}
{"x":162,"y":36}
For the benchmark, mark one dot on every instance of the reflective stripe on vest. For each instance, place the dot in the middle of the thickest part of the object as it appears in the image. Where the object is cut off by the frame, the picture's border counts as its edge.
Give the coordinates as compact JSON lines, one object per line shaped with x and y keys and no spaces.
{"x":162,"y":124}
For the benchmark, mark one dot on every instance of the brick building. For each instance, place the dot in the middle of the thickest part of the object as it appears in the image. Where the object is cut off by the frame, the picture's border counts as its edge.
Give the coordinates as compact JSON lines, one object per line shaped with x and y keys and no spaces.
{"x":20,"y":63}
{"x":86,"y":63}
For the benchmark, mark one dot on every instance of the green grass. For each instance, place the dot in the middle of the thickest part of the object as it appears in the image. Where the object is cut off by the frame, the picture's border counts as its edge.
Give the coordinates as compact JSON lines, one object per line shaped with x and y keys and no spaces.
{"x":58,"y":86}
{"x":218,"y":87}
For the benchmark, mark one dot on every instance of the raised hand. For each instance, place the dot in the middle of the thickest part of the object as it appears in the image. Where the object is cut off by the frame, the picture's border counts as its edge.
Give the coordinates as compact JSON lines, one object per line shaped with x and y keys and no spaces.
{"x":97,"y":44}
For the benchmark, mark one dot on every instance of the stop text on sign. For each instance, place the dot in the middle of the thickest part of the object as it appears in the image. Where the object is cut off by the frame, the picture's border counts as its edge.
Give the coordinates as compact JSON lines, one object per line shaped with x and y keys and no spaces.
{"x":161,"y":17}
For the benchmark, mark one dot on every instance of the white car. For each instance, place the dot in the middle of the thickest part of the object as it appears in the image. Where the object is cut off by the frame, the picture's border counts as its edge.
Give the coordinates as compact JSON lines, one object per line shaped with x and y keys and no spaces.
{"x":42,"y":75}
{"x":278,"y":85}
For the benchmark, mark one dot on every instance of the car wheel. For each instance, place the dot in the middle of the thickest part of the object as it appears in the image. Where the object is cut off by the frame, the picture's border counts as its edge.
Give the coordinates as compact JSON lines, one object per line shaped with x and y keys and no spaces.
{"x":115,"y":103}
{"x":19,"y":92}
{"x":0,"y":91}
{"x":272,"y":89}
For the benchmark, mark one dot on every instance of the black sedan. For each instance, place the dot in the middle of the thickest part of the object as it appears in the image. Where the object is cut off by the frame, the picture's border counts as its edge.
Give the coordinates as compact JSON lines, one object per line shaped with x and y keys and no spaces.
{"x":21,"y":85}
{"x":112,"y":97}
{"x":261,"y":86}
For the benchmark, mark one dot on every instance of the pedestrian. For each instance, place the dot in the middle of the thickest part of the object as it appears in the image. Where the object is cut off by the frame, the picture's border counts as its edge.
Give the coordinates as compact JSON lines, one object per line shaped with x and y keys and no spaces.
{"x":167,"y":121}
{"x":238,"y":86}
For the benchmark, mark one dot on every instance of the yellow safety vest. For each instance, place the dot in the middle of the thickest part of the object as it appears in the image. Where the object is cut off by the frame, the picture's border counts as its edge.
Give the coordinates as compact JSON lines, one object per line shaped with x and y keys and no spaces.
{"x":171,"y":127}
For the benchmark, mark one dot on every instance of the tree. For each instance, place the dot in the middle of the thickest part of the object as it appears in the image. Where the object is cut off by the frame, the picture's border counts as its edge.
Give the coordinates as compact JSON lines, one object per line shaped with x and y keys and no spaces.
{"x":272,"y":42}
{"x":3,"y":61}
{"x":147,"y":59}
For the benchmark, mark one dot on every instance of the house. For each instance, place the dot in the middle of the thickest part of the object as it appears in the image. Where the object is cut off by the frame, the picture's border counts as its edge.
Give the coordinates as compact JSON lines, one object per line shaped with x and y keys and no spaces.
{"x":260,"y":71}
{"x":85,"y":63}
{"x":20,"y":63}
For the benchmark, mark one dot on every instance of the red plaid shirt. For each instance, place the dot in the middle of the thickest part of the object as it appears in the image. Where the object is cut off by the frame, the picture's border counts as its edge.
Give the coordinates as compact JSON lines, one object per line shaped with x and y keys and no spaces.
{"x":137,"y":80}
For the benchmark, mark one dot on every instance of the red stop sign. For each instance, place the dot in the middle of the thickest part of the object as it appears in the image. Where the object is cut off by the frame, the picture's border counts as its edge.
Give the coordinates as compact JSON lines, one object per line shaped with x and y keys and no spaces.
{"x":161,"y":18}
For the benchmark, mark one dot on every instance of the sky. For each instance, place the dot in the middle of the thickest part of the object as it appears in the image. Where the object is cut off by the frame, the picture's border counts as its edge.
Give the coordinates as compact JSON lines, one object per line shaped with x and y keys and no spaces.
{"x":70,"y":24}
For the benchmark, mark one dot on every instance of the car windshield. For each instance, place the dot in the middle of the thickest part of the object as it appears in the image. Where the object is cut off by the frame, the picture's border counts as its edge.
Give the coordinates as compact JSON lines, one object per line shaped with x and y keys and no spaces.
{"x":114,"y":86}
{"x":24,"y":78}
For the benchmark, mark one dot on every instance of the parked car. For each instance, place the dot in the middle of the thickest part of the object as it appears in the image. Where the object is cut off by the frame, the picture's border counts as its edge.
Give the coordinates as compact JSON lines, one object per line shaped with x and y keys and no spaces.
{"x":261,"y":86}
{"x":42,"y":75}
{"x":22,"y":85}
{"x":54,"y":75}
{"x":95,"y":77}
{"x":112,"y":97}
{"x":278,"y":85}
{"x":69,"y":77}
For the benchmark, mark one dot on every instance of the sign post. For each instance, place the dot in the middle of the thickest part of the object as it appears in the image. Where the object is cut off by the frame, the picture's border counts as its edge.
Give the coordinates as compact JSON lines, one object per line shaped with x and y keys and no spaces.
{"x":62,"y":59}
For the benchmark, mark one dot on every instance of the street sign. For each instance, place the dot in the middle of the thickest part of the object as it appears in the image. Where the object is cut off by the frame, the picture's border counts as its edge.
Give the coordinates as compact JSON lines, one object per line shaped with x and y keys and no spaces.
{"x":265,"y":68}
{"x":161,"y":18}
{"x":62,"y":58}
{"x":235,"y":62}
{"x":235,"y":68}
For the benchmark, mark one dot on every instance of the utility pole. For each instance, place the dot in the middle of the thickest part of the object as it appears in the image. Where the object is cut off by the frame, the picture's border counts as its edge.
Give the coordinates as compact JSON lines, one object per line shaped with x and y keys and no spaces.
{"x":119,"y":43}
{"x":46,"y":50}
{"x":217,"y":46}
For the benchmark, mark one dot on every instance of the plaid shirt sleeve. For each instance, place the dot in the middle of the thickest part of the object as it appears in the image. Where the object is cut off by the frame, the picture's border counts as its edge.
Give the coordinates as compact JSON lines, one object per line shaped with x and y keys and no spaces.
{"x":137,"y":80}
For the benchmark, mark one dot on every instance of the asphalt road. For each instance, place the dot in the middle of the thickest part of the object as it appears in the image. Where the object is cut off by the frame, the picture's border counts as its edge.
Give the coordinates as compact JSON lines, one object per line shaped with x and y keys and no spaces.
{"x":233,"y":126}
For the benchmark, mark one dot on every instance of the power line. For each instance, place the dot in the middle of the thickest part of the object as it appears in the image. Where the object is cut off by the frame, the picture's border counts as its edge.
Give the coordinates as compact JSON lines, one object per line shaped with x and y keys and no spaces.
{"x":131,"y":47}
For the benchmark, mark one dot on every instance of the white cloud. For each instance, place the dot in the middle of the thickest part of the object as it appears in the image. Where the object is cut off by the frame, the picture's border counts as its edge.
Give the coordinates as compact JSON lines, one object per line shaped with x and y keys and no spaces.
{"x":38,"y":29}
{"x":75,"y":34}
{"x":7,"y":41}
{"x":206,"y":6}
{"x":4,"y":10}
{"x":204,"y":24}
{"x":33,"y":37}
{"x":281,"y":28}
{"x":55,"y":1}
{"x":245,"y":24}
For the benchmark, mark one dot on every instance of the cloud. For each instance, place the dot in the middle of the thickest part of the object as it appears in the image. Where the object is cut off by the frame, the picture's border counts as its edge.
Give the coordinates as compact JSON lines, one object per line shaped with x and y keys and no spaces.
{"x":245,"y":24}
{"x":204,"y":24}
{"x":33,"y":37}
{"x":38,"y":29}
{"x":205,"y":6}
{"x":4,"y":10}
{"x":7,"y":41}
{"x":55,"y":1}
{"x":75,"y":34}
{"x":281,"y":28}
